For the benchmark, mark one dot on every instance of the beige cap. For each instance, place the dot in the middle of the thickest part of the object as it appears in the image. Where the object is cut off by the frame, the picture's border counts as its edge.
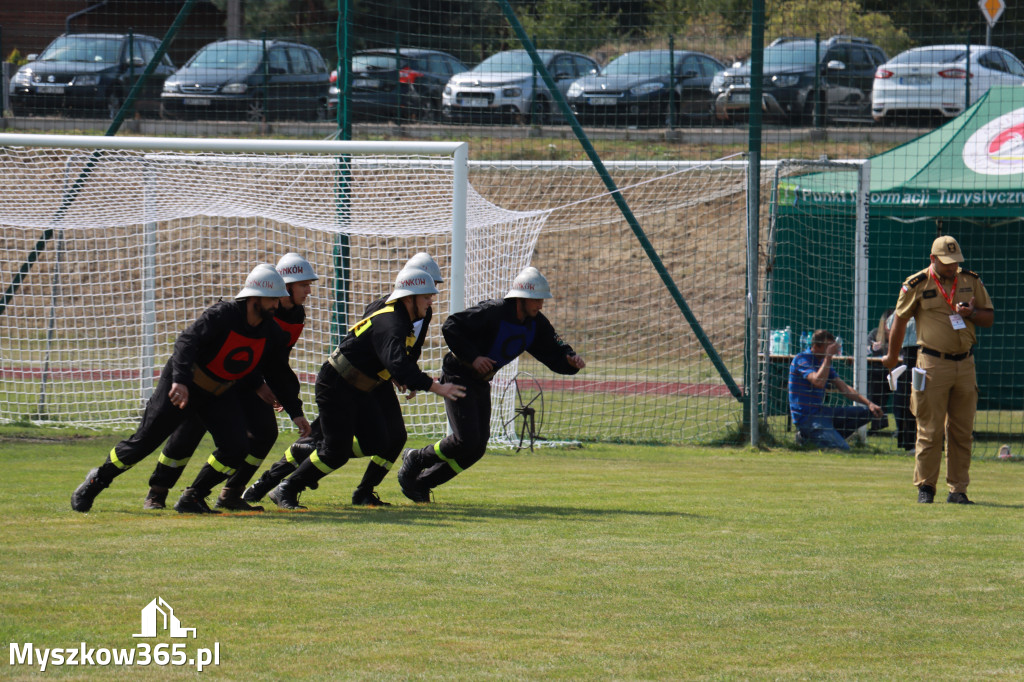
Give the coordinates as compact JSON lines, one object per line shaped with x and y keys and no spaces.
{"x":947,"y":250}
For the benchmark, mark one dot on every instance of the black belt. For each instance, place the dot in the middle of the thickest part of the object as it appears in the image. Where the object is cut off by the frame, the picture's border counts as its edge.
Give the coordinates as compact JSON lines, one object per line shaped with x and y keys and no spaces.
{"x":947,"y":356}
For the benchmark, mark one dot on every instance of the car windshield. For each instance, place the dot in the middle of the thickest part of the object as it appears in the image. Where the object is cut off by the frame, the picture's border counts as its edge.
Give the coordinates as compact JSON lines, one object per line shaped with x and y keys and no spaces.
{"x":228,"y":56}
{"x":640,"y":64}
{"x":374,"y":62}
{"x":516,"y":61}
{"x":942,"y":56}
{"x":788,"y":55}
{"x":83,"y":49}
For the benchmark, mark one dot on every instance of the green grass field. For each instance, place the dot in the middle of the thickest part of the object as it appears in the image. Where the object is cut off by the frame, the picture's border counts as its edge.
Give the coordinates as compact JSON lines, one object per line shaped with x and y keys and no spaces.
{"x":605,"y":562}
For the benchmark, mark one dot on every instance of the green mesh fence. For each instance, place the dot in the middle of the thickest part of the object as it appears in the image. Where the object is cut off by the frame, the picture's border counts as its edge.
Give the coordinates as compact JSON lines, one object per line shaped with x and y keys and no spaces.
{"x":656,"y":86}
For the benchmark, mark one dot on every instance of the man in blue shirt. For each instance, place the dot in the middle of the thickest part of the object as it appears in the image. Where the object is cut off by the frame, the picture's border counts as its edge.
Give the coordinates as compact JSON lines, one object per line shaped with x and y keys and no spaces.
{"x":809,"y":374}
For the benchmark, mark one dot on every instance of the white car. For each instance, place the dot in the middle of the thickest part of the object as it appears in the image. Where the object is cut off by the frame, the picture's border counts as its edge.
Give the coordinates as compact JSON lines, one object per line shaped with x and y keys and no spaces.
{"x":932,"y":80}
{"x":506,"y":86}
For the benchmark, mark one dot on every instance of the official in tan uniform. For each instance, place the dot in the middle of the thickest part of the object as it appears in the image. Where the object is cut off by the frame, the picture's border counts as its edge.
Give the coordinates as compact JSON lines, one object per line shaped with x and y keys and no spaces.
{"x":948,"y":304}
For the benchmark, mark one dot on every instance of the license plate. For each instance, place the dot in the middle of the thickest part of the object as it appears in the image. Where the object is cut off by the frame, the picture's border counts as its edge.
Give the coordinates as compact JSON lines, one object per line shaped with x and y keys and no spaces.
{"x":603,"y":101}
{"x":50,"y":89}
{"x":366,"y":83}
{"x":196,"y":102}
{"x":914,"y":80}
{"x":740,"y":98}
{"x":474,"y":101}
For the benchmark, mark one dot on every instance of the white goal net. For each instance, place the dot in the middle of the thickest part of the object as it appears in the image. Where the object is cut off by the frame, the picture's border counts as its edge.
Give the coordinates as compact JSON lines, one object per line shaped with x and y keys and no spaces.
{"x":110,"y":247}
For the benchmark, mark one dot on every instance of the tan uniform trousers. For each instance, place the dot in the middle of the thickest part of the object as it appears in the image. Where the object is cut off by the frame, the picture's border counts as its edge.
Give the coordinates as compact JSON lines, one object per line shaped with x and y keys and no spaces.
{"x":946,"y":406}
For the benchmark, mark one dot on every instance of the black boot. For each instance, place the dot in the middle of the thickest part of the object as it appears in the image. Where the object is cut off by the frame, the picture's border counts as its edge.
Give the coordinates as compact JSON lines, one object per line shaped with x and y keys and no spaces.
{"x":82,"y":498}
{"x":231,"y":499}
{"x":156,"y":499}
{"x":286,"y":495}
{"x":412,"y":465}
{"x":193,"y":501}
{"x":363,"y":497}
{"x":263,"y":485}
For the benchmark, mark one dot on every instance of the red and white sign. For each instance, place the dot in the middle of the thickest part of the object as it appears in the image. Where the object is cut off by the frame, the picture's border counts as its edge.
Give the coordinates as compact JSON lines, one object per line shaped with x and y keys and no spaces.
{"x":997,"y":148}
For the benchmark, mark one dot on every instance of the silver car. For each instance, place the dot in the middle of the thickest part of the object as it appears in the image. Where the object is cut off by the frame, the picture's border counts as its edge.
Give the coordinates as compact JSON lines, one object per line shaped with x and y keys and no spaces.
{"x":505,"y":86}
{"x":931,"y":80}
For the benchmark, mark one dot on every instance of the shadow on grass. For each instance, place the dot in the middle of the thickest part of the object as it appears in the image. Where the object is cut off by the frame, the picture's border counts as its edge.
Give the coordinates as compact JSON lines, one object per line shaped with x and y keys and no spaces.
{"x":433,"y":514}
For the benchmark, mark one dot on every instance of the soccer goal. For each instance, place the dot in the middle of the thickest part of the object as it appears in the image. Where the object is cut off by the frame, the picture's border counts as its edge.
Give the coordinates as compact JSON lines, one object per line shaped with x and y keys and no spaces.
{"x":110,"y":247}
{"x":814,"y":273}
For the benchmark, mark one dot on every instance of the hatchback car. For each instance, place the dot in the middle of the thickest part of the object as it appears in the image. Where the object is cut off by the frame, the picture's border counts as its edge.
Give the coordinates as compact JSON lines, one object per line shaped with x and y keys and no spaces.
{"x":252,"y":79}
{"x":927,"y":81}
{"x":845,"y":73}
{"x":505,"y":86}
{"x":406,"y":84}
{"x":88,"y":73}
{"x":636,"y":88}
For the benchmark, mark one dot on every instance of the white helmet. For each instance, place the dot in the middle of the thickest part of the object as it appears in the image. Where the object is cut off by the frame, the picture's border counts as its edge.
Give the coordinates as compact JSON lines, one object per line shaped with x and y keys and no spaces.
{"x":423,"y":261}
{"x":529,"y":284}
{"x":263,"y":281}
{"x":295,"y":268}
{"x":412,"y":282}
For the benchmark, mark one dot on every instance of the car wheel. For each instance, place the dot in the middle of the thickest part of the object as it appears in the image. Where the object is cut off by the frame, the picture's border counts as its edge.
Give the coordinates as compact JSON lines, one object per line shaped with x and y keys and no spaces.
{"x":320,"y":112}
{"x":429,"y":111}
{"x":167,"y":113}
{"x":255,"y":111}
{"x":540,"y":110}
{"x":806,"y":116}
{"x":114,"y":102}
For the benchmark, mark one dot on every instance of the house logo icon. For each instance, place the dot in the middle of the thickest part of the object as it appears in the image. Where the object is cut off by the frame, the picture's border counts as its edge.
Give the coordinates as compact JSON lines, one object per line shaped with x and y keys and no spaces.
{"x":158,"y":615}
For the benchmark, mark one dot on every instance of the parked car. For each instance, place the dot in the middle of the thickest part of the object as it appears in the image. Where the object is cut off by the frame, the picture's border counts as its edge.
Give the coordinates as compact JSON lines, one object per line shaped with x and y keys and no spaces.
{"x":845,"y":70}
{"x":88,"y":73}
{"x":505,"y":86}
{"x":253,"y":79}
{"x":406,"y":84}
{"x":931,"y":80}
{"x":635,"y":88}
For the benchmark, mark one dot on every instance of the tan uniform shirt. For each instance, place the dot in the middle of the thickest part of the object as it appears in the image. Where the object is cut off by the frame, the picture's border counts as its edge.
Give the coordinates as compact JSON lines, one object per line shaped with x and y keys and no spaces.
{"x":921,"y":299}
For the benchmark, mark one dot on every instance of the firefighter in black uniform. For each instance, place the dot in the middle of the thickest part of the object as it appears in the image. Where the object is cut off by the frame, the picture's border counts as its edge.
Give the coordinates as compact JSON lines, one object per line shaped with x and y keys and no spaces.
{"x":354,"y":392}
{"x":228,"y":342}
{"x":297,"y":274}
{"x":481,"y":341}
{"x":303,"y":448}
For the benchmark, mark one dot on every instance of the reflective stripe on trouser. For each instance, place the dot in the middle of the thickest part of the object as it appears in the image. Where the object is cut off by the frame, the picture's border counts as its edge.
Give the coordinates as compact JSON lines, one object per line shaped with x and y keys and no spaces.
{"x":118,"y":463}
{"x":173,"y":463}
{"x":218,"y":466}
{"x":946,"y":407}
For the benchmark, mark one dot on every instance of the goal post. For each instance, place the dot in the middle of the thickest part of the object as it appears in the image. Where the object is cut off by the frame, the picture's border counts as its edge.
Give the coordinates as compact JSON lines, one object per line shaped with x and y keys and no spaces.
{"x":112,"y":246}
{"x":815,"y":273}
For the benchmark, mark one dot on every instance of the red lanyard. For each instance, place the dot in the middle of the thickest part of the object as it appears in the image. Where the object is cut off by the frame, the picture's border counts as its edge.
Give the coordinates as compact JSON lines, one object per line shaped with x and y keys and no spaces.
{"x":952,"y":292}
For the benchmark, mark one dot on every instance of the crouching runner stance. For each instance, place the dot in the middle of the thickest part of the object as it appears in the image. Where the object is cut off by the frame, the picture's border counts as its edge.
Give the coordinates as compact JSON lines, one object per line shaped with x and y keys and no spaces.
{"x":258,"y":403}
{"x":355,"y":395}
{"x":211,"y":357}
{"x":307,"y":446}
{"x":481,"y":341}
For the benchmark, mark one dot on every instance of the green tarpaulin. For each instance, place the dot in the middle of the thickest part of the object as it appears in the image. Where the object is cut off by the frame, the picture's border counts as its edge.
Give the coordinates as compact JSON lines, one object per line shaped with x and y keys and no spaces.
{"x":973,"y":164}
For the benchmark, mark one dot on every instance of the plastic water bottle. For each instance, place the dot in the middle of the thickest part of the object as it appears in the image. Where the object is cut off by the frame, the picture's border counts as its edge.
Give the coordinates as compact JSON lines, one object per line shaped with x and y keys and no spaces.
{"x":839,"y":340}
{"x":805,"y":341}
{"x":787,"y":340}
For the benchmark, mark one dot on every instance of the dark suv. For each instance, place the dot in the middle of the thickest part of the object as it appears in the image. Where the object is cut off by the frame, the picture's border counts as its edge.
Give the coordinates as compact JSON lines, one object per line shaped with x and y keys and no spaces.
{"x":406,"y":85}
{"x":846,"y":71}
{"x":252,"y":79}
{"x":88,"y":73}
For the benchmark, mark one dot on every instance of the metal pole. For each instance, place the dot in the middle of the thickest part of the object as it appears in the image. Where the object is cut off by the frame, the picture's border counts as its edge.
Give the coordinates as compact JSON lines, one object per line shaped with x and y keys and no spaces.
{"x":860,"y":286}
{"x":671,"y":82}
{"x":754,"y":213}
